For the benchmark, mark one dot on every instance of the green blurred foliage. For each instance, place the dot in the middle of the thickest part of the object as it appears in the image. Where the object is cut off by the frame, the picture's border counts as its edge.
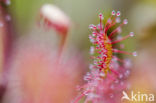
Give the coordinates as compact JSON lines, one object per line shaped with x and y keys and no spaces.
{"x":24,"y":12}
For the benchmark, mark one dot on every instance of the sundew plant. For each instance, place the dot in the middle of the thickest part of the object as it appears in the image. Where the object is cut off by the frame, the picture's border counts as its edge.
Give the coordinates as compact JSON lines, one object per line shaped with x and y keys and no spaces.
{"x":108,"y":72}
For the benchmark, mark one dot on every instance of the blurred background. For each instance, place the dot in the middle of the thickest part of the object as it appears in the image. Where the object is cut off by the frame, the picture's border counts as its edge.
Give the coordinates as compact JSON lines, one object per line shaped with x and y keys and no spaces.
{"x":27,"y":46}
